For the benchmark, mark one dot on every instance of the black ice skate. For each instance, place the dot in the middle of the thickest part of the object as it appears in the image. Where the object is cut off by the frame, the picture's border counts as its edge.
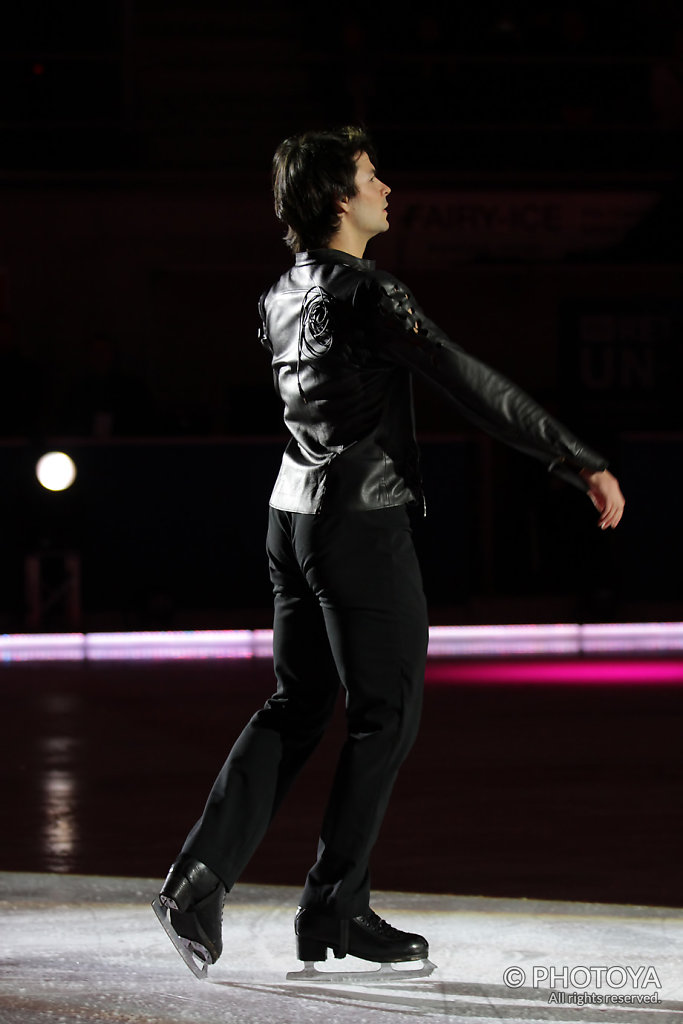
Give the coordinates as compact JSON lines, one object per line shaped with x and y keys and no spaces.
{"x":367,"y":937}
{"x":190,"y":909}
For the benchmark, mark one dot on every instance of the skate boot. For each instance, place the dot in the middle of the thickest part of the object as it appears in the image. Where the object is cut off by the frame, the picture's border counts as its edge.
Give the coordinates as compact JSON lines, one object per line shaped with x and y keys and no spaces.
{"x":190,"y":909}
{"x":367,"y":937}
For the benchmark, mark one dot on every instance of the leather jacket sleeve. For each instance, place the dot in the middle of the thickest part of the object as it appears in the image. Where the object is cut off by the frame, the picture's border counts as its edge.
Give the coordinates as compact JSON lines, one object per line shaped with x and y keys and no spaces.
{"x":487,"y":398}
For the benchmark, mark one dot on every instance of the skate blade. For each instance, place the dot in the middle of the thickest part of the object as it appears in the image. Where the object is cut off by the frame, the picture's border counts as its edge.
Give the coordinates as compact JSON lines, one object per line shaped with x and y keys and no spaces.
{"x":386,"y":974}
{"x":193,"y":953}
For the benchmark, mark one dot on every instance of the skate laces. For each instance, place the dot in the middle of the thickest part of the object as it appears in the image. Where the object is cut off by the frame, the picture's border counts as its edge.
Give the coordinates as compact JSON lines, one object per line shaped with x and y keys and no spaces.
{"x":377,"y":924}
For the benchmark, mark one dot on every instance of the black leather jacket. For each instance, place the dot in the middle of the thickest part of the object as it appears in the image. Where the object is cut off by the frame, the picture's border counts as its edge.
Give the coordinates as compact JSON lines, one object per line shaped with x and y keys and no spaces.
{"x":345,"y":340}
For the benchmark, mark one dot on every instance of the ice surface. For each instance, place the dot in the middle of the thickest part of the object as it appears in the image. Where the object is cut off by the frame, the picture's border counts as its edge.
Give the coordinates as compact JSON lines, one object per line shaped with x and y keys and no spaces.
{"x":86,"y":949}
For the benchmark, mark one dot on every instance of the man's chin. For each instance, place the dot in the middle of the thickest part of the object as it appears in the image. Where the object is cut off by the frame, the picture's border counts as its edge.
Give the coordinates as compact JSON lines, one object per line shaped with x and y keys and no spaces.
{"x":380,"y":230}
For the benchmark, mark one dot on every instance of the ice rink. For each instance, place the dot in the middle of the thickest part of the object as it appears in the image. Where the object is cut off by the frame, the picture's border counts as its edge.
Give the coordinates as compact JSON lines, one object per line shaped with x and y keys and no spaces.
{"x":552,"y":786}
{"x":89,"y":949}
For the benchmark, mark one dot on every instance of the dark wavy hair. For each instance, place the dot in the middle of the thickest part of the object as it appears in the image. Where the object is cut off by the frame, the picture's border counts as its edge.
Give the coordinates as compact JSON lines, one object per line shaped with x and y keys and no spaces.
{"x":311,"y":173}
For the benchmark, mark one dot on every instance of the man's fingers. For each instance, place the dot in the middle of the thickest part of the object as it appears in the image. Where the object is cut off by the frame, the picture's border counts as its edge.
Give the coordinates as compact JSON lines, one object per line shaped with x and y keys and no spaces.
{"x":605,"y":493}
{"x":611,"y":516}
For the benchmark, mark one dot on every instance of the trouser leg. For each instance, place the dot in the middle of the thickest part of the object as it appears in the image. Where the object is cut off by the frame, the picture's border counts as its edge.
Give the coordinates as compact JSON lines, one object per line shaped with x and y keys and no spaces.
{"x":364,"y":572}
{"x":280,"y":737}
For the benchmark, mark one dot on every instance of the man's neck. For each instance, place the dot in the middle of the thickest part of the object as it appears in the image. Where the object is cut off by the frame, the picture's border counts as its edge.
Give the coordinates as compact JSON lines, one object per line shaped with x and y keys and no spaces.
{"x":345,"y":241}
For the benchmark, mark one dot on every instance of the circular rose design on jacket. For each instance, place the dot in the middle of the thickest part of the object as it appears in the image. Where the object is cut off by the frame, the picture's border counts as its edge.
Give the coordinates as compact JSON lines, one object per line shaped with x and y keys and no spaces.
{"x":316,"y":329}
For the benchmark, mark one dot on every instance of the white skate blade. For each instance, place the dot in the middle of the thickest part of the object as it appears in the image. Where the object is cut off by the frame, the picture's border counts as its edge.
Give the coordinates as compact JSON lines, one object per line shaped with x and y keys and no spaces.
{"x":193,"y":953}
{"x":386,"y":974}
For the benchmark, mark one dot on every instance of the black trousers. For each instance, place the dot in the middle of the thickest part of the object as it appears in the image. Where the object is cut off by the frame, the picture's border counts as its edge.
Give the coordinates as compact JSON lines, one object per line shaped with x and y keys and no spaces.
{"x":349,"y":610}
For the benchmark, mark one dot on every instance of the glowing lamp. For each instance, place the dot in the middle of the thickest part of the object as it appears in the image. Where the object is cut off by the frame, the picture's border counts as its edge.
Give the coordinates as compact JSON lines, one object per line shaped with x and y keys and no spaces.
{"x":56,"y":471}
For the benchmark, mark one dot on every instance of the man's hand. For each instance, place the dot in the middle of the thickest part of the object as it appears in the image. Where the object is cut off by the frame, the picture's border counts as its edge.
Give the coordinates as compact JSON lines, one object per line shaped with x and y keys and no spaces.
{"x":605,"y":493}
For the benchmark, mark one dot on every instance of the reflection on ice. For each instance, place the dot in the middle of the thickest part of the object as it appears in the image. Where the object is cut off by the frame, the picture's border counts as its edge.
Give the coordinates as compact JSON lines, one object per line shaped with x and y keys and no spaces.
{"x":60,"y":833}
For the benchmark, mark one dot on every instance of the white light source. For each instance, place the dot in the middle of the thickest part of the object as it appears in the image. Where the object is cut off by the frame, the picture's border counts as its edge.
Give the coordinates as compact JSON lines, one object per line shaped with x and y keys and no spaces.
{"x":617,"y":638}
{"x":56,"y":471}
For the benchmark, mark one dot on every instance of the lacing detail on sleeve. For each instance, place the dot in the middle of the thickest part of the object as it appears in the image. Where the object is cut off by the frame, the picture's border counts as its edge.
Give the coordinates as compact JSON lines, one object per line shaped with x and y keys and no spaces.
{"x":399,"y":309}
{"x":398,"y":302}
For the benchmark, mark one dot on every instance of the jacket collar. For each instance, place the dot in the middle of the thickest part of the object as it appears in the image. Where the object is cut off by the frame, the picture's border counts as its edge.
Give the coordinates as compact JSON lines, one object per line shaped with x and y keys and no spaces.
{"x":332,"y":256}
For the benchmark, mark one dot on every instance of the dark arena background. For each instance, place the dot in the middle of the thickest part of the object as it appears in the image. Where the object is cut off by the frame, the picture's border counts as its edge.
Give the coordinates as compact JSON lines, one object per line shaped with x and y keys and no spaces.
{"x":535,"y":157}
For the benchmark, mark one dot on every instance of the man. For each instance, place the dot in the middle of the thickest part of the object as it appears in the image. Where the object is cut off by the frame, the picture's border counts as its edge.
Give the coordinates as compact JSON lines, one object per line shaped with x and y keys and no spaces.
{"x":345,"y":340}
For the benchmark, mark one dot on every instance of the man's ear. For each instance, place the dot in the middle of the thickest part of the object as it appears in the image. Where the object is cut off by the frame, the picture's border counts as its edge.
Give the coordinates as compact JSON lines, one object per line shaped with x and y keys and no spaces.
{"x":341,"y":205}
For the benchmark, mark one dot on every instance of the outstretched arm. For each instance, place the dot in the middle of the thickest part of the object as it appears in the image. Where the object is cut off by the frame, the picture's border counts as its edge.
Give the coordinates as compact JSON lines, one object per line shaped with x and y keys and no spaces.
{"x":486,"y":397}
{"x":605,"y":493}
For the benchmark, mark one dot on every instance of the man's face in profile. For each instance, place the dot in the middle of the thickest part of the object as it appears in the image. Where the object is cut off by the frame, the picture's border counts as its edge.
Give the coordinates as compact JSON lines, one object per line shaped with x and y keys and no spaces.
{"x":366,"y":212}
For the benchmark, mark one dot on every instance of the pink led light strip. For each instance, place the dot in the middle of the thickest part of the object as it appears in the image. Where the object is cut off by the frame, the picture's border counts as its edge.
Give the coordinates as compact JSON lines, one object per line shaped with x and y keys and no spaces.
{"x":444,"y":642}
{"x":614,"y":671}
